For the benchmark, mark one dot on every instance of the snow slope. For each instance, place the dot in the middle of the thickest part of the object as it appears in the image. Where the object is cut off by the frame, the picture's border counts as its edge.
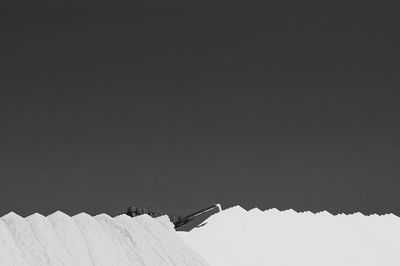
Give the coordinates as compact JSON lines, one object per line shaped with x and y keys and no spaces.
{"x":85,"y":240}
{"x":239,"y":237}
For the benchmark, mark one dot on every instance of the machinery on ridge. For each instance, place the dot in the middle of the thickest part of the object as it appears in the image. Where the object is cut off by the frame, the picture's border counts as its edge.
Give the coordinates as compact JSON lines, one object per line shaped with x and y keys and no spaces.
{"x":177,"y":220}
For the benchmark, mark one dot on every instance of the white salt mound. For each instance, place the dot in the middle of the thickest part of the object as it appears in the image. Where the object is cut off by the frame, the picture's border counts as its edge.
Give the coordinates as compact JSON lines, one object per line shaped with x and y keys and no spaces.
{"x":71,"y":237}
{"x":239,"y":237}
{"x":25,"y":240}
{"x":47,"y":238}
{"x":85,"y":240}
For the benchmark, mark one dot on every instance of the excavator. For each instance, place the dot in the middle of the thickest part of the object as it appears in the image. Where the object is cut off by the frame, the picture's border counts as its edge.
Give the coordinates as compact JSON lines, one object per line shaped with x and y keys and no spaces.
{"x":177,"y":220}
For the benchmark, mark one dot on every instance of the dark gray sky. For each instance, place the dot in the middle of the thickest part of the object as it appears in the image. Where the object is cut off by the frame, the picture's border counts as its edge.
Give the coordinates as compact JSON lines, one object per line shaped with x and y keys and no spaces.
{"x":114,"y":103}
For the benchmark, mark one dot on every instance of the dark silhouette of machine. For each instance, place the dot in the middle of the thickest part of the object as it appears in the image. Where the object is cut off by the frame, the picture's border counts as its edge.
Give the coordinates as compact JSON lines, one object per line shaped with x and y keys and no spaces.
{"x":177,"y":220}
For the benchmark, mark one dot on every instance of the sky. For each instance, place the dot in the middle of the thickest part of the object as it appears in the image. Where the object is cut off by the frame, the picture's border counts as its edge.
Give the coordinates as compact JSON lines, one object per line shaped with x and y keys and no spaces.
{"x":108,"y":104}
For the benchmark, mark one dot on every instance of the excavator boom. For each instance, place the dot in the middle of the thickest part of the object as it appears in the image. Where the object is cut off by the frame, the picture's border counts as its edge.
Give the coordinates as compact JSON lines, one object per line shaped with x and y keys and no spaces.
{"x":177,"y":220}
{"x":192,"y":216}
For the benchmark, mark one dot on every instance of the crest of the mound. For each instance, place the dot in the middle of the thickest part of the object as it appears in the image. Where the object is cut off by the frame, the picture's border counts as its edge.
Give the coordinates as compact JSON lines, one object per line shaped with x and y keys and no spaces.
{"x":12,"y":216}
{"x":226,"y":216}
{"x":82,"y":215}
{"x":58,"y":216}
{"x":36,"y":218}
{"x":237,"y":215}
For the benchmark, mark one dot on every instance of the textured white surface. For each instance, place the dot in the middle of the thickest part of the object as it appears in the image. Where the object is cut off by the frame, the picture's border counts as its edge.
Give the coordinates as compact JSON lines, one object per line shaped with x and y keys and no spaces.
{"x":239,"y":237}
{"x":85,"y":240}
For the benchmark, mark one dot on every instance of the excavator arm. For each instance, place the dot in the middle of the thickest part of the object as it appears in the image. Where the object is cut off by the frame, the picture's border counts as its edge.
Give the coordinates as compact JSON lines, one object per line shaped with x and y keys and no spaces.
{"x":177,"y":220}
{"x":184,"y":220}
